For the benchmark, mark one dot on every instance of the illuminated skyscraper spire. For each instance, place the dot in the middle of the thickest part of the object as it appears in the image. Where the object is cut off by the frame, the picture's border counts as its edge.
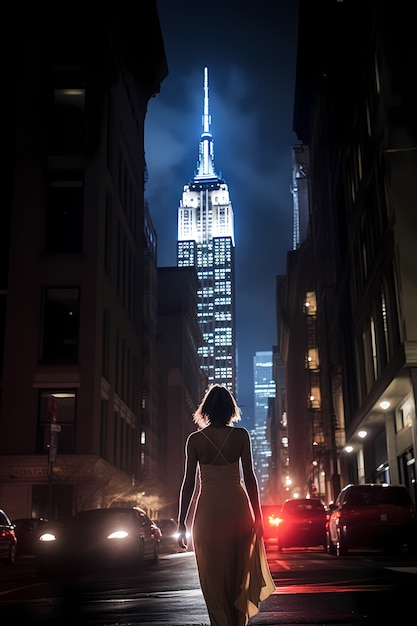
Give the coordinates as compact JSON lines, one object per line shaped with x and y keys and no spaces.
{"x":205,"y":165}
{"x":206,"y":241}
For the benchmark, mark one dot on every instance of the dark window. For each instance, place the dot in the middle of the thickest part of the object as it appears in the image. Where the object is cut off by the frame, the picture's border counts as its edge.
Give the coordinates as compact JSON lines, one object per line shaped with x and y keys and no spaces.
{"x":56,"y":422}
{"x":64,"y":212}
{"x":108,"y":233}
{"x":3,"y":302}
{"x":56,"y":504}
{"x":68,"y":134}
{"x":105,"y":357}
{"x":367,"y":496}
{"x":104,"y":429}
{"x":61,"y":311}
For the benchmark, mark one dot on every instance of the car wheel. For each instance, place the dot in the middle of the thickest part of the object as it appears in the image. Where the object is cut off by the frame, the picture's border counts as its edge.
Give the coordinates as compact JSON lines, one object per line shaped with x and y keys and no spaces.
{"x":341,"y":545}
{"x":155,"y":557}
{"x":137,"y":556}
{"x":11,"y":557}
{"x":330,"y":547}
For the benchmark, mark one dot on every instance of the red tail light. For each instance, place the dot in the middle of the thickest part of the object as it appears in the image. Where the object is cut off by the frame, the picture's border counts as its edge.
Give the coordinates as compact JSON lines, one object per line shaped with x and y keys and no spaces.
{"x":274,"y":521}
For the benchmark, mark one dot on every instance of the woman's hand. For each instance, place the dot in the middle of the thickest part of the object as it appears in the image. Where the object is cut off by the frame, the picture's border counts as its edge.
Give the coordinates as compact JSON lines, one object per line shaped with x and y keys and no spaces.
{"x":182,"y":536}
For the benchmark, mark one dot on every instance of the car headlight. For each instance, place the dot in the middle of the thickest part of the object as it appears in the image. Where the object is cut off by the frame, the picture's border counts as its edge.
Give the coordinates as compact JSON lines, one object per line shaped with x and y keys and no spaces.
{"x":118,"y":534}
{"x":187,"y":534}
{"x":47,"y":537}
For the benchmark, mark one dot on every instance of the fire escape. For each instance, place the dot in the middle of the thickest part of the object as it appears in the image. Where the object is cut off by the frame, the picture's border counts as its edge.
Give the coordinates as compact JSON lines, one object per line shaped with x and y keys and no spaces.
{"x":316,"y":479}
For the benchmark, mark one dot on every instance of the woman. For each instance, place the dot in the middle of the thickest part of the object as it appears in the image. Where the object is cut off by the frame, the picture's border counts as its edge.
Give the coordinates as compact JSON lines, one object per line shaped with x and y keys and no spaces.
{"x":227,"y":526}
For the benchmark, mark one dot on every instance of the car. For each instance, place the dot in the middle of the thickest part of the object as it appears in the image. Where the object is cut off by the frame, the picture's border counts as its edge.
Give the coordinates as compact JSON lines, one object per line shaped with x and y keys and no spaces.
{"x":372,"y":516}
{"x":8,"y":539}
{"x":96,"y":538}
{"x":270,"y":514}
{"x":28,"y":530}
{"x":302,"y":524}
{"x":169,"y":535}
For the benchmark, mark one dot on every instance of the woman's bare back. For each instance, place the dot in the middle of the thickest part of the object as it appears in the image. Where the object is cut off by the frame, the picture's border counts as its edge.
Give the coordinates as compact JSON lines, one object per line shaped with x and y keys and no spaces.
{"x":219,"y":446}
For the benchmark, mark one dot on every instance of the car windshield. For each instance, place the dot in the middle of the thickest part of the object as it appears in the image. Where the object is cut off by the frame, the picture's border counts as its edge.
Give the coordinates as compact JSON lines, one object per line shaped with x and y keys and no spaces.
{"x":103,"y":517}
{"x":364,"y":496}
{"x":167,"y":525}
{"x":303,"y":506}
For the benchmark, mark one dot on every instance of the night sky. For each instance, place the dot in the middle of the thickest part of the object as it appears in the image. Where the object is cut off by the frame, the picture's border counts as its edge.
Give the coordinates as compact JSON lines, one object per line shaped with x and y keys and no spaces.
{"x":250,"y":51}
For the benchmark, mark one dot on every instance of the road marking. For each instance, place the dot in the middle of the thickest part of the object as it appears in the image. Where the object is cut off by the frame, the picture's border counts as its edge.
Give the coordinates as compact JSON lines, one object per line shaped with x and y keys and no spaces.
{"x":308,"y":589}
{"x":406,"y":570}
{"x":283,"y":564}
{"x":3,"y":593}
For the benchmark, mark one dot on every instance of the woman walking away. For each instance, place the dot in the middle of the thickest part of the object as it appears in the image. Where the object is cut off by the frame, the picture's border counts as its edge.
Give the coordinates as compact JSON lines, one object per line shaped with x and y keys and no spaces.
{"x":227,"y":526}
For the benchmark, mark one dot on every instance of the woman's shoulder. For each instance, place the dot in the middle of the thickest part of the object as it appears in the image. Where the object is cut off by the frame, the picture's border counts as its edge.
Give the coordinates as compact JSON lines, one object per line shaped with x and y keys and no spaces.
{"x":243,"y":432}
{"x":195,"y":435}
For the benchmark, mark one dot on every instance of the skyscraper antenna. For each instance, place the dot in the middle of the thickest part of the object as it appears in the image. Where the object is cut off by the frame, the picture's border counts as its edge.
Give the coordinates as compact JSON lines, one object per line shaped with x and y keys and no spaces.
{"x":206,"y":116}
{"x":205,"y":165}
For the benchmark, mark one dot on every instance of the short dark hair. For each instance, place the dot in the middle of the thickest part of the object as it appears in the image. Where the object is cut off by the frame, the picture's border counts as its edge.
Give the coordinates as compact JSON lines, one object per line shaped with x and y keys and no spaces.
{"x":218,"y":408}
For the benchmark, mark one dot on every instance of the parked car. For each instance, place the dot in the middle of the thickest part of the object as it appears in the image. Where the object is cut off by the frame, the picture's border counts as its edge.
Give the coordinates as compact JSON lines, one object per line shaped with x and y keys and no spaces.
{"x":372,"y":516}
{"x":95,"y":538}
{"x":271,"y":517}
{"x":169,"y":535}
{"x":8,"y":540}
{"x":28,"y":531}
{"x":302,"y":524}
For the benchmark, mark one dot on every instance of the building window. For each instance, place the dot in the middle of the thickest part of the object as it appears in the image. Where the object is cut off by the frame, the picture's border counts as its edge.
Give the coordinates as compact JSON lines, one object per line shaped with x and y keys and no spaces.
{"x":404,"y":415}
{"x":56,"y":421}
{"x":108,"y":233}
{"x":68,"y":134}
{"x":65,"y":212}
{"x":3,"y":303}
{"x":104,"y":432}
{"x":106,"y":344}
{"x":61,"y":313}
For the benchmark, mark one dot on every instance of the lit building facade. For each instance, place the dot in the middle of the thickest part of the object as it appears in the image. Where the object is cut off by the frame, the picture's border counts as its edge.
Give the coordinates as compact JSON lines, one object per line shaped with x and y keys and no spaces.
{"x":348,"y":328}
{"x":206,"y":242}
{"x":264,"y":391}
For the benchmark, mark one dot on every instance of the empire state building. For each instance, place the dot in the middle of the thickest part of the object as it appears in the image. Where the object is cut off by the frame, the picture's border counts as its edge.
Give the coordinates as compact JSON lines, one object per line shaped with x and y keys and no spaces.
{"x":206,"y":241}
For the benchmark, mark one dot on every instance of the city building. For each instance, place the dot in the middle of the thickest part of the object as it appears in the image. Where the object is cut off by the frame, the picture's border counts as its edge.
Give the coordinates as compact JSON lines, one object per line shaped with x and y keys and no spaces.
{"x":206,"y":242}
{"x":76,"y":248}
{"x":350,"y":293}
{"x":184,"y":382}
{"x":278,"y":489}
{"x":264,"y":392}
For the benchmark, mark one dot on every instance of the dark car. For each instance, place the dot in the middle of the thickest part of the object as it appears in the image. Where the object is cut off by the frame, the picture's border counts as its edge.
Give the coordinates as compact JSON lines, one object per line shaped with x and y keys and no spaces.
{"x":98,"y":538}
{"x":302,"y":524}
{"x":271,"y":516}
{"x":169,"y":535}
{"x":8,"y":541}
{"x":372,"y":516}
{"x":28,"y":531}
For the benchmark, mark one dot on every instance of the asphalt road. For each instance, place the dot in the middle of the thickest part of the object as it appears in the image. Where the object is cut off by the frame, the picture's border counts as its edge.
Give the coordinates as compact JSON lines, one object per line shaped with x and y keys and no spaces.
{"x":312,"y":588}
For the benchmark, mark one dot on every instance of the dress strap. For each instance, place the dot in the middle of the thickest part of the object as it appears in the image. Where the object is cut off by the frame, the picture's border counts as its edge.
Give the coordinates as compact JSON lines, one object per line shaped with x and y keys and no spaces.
{"x":219,"y":450}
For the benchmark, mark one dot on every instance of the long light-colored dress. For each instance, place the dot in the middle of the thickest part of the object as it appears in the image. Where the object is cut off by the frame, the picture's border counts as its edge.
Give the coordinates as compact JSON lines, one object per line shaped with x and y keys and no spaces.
{"x":233,"y":571}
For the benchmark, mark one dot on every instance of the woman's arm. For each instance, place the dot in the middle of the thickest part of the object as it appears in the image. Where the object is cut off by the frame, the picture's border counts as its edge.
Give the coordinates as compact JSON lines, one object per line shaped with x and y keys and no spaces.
{"x":251,"y":483}
{"x":187,"y":490}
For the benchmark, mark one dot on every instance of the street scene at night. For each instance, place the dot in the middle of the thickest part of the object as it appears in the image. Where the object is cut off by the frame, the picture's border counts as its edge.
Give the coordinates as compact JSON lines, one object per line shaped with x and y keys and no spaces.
{"x":208,"y":339}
